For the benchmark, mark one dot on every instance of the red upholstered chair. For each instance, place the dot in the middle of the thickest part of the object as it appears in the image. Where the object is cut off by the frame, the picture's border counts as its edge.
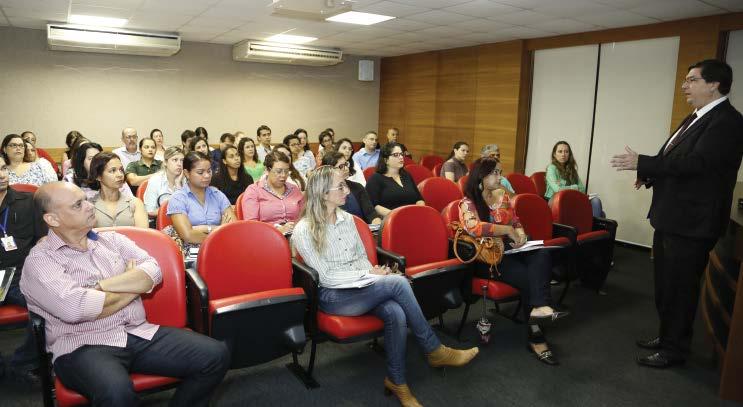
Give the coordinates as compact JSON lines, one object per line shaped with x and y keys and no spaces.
{"x":163,"y":219}
{"x":539,"y":179}
{"x":462,"y":182}
{"x":44,"y":154}
{"x":437,"y":192}
{"x":369,"y":172}
{"x":338,"y":328}
{"x":141,"y":190}
{"x":407,"y":160}
{"x":595,"y":236}
{"x":418,"y":172}
{"x":239,"y":207}
{"x":521,"y":183}
{"x":437,"y":170}
{"x":165,"y":305}
{"x":246,"y":298}
{"x":24,"y":188}
{"x":497,"y":291}
{"x":418,"y":237}
{"x":431,"y":161}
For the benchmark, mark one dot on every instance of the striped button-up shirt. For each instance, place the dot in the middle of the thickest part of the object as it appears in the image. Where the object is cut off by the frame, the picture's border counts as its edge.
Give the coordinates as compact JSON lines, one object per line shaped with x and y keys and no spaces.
{"x":344,"y":259}
{"x":54,"y":281}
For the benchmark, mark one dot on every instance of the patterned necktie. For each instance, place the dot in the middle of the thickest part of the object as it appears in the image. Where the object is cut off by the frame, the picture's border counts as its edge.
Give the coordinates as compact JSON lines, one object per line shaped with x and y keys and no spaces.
{"x":680,"y":134}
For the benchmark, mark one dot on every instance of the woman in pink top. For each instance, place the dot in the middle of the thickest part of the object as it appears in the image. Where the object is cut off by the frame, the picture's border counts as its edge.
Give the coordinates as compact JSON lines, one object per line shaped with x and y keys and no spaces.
{"x":272,"y":199}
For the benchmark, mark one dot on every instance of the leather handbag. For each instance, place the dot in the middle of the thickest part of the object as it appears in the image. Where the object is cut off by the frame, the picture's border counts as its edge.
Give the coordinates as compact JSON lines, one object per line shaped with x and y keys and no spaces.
{"x":488,"y":250}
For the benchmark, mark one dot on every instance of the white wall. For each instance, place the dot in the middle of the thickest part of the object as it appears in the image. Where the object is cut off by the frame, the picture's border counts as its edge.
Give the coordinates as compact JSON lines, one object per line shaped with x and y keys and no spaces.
{"x":53,"y":92}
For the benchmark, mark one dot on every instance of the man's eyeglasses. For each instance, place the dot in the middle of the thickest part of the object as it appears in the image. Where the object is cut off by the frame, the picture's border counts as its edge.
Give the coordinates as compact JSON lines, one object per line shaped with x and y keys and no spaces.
{"x":396,"y":155}
{"x":341,"y":187}
{"x":692,"y":79}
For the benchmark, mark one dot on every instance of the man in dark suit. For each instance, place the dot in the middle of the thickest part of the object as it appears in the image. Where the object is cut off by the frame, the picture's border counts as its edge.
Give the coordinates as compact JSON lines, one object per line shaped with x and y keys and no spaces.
{"x":692,"y":176}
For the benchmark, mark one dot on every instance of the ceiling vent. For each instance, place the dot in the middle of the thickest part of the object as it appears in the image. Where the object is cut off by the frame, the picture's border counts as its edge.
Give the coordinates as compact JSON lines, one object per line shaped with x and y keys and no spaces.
{"x":65,"y":37}
{"x":291,"y":54}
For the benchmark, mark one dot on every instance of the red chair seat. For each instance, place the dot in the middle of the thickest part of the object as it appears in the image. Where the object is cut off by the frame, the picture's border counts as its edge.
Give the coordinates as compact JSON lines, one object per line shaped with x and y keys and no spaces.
{"x":558,"y":242}
{"x":342,"y":327}
{"x":12,"y":314}
{"x":411,"y":271}
{"x":497,"y":290}
{"x":261,"y":295}
{"x":142,"y":382}
{"x":594,"y":235}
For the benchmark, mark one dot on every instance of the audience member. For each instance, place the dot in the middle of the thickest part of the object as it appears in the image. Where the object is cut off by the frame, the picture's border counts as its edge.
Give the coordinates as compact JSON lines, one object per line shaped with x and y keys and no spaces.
{"x":128,"y":153}
{"x":231,"y":179}
{"x":272,"y":199}
{"x":24,"y":228}
{"x":392,"y":134}
{"x":326,"y":143}
{"x":562,"y":173}
{"x":67,"y":165}
{"x":454,"y":167}
{"x":32,"y":157}
{"x":369,"y":155}
{"x":87,"y":286}
{"x":327,"y":239}
{"x":357,"y":202}
{"x":197,"y":209}
{"x":163,"y":184}
{"x":251,"y":164}
{"x":143,"y":169}
{"x":239,"y":135}
{"x":19,"y":171}
{"x":30,"y":137}
{"x":263,"y":133}
{"x":112,"y":208}
{"x":186,"y":137}
{"x":69,"y":141}
{"x":78,"y":174}
{"x":160,"y":147}
{"x":299,"y":160}
{"x":198,"y":145}
{"x":302,"y":134}
{"x":486,"y":211}
{"x":493,"y":151}
{"x":294,"y":176}
{"x":345,"y":147}
{"x":391,"y":186}
{"x":225,"y":140}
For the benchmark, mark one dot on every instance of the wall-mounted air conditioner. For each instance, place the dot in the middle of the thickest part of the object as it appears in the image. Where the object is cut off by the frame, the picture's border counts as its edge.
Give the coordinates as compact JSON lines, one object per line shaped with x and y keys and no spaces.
{"x":258,"y":51}
{"x":65,"y":37}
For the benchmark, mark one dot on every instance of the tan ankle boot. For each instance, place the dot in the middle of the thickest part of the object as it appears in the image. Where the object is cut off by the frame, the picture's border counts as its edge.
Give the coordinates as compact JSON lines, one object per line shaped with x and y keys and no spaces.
{"x":402,"y":392}
{"x":444,"y":356}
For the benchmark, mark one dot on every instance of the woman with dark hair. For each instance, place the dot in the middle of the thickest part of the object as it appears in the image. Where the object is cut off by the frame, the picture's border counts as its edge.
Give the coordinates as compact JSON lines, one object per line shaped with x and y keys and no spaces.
{"x":231,"y":179}
{"x":294,"y":176}
{"x":299,"y":160}
{"x":249,"y":158}
{"x":201,"y":132}
{"x":69,"y":141}
{"x":345,"y":147}
{"x":358,"y":202}
{"x":326,"y":143}
{"x":160,"y":147}
{"x":19,"y":171}
{"x":79,"y":173}
{"x":302,"y":134}
{"x":327,"y":239}
{"x":77,"y":140}
{"x":32,"y":157}
{"x":186,"y":137}
{"x":143,"y":169}
{"x":197,"y":209}
{"x":454,"y":167}
{"x":486,"y":211}
{"x":112,"y":208}
{"x":272,"y":199}
{"x":562,"y":173}
{"x":198,"y":145}
{"x":391,"y":186}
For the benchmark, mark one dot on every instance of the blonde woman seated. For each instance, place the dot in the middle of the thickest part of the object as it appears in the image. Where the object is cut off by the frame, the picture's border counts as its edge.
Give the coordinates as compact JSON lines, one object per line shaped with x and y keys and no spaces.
{"x":163,"y":184}
{"x":197,"y":209}
{"x":112,"y":208}
{"x":327,"y":239}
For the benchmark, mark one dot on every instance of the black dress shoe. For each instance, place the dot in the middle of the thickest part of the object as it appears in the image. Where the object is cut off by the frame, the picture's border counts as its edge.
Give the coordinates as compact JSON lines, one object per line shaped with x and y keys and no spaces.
{"x":659,"y":360}
{"x":653,"y":344}
{"x":547,"y":319}
{"x":545,"y":357}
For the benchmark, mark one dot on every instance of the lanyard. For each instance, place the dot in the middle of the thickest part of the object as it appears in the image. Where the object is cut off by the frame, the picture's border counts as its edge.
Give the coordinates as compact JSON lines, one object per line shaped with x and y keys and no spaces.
{"x":5,"y":222}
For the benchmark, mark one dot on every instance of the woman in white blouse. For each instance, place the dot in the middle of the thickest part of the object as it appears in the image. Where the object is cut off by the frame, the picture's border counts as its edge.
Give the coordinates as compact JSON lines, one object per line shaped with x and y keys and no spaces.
{"x":19,"y":171}
{"x":32,"y":157}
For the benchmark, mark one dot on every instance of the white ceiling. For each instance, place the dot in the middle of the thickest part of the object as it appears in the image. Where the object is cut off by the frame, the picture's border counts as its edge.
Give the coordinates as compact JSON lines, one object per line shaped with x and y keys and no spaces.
{"x":421,"y":25}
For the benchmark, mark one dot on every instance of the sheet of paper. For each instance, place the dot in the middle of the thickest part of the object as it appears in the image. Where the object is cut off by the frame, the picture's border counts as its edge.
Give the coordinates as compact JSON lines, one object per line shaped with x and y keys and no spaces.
{"x":365,"y":281}
{"x":530,"y":245}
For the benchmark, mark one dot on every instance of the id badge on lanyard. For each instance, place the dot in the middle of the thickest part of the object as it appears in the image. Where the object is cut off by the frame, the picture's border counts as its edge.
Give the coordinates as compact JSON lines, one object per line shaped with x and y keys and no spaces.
{"x":8,"y":241}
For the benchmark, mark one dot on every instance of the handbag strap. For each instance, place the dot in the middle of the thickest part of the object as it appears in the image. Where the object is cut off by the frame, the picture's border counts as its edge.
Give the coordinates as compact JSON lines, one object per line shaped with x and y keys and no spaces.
{"x":478,"y":247}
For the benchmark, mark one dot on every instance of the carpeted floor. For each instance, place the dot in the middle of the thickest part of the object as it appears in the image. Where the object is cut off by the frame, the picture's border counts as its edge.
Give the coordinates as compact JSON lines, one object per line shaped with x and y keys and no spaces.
{"x":595,"y":346}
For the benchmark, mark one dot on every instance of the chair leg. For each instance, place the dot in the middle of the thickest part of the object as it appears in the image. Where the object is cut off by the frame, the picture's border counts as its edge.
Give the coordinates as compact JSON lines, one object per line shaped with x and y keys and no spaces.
{"x":514,"y":316}
{"x":463,"y":321}
{"x":376,"y":347}
{"x":305,"y":376}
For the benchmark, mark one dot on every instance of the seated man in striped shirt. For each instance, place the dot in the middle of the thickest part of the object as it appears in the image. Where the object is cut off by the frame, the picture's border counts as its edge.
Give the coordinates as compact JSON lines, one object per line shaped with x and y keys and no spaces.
{"x":87,"y":287}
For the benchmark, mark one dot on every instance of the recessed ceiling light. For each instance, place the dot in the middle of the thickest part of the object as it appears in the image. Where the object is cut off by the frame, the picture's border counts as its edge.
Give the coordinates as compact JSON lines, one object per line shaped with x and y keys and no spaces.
{"x":97,"y":21}
{"x":290,"y":39}
{"x":354,"y":17}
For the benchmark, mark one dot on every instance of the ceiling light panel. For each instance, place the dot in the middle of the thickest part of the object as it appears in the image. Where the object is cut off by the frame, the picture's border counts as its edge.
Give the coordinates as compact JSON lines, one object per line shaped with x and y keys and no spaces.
{"x":355,"y":17}
{"x":290,"y":39}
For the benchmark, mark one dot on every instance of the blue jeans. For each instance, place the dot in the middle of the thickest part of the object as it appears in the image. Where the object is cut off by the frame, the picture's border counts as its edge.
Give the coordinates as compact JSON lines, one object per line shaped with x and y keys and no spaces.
{"x":101,"y":373}
{"x":391,"y":299}
{"x":25,"y":357}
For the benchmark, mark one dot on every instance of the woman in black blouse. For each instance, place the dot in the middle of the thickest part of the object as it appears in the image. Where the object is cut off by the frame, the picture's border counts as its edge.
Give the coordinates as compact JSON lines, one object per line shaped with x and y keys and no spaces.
{"x":391,"y":186}
{"x":231,"y":179}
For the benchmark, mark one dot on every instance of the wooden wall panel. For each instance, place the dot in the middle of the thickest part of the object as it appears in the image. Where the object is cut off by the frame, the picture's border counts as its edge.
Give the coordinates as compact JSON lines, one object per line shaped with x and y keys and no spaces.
{"x":455,"y":99}
{"x":420,"y":97}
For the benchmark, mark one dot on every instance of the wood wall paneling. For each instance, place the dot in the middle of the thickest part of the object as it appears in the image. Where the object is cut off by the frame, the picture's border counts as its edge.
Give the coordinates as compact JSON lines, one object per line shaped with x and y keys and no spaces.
{"x":455,"y":99}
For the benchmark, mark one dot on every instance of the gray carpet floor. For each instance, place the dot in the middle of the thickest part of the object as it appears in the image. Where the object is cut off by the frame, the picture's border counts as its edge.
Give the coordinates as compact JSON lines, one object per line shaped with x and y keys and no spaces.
{"x":595,"y":346}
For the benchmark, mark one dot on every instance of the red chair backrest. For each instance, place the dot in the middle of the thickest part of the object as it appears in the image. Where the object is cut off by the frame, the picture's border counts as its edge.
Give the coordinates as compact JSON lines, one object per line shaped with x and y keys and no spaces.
{"x":239,"y":207}
{"x":449,"y":214}
{"x":437,"y":192}
{"x":368,"y":239}
{"x":163,"y":219}
{"x":24,"y":188}
{"x":431,"y":161}
{"x":462,"y":182}
{"x":534,"y":214}
{"x":521,"y":183}
{"x":407,"y":161}
{"x":539,"y":179}
{"x":418,"y":172}
{"x":44,"y":154}
{"x":141,"y":190}
{"x":572,"y":208}
{"x":369,"y":172}
{"x":416,"y":232}
{"x":437,"y":170}
{"x":245,"y":257}
{"x":166,"y":304}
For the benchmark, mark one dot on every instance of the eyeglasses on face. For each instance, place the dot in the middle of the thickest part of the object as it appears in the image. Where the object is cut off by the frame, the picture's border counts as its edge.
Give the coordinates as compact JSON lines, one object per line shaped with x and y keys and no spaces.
{"x":396,"y":155}
{"x":692,"y":79}
{"x":294,"y":144}
{"x":281,"y":171}
{"x":342,"y":166}
{"x":341,"y":187}
{"x":15,"y":145}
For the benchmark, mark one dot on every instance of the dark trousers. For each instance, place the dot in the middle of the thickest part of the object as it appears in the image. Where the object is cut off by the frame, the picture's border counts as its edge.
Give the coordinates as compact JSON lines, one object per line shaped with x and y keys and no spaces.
{"x":679,"y":263}
{"x":25,"y":357}
{"x":101,"y":373}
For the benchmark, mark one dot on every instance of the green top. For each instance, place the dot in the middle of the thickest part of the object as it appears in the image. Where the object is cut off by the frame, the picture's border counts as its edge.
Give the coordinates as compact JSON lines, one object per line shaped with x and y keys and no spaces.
{"x":139,"y":168}
{"x":555,"y":183}
{"x":255,"y":172}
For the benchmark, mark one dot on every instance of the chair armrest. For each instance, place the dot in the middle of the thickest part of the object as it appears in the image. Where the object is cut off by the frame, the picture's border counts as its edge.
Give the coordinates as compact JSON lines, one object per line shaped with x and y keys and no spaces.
{"x":609,"y":225}
{"x":38,"y":327}
{"x":307,"y":278}
{"x":561,"y":230}
{"x":198,"y":300}
{"x":386,"y":257}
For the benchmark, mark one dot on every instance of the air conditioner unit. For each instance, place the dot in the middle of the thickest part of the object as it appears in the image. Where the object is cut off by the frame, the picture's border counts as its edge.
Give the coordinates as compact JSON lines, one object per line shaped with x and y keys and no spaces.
{"x":65,"y":37}
{"x":257,"y":51}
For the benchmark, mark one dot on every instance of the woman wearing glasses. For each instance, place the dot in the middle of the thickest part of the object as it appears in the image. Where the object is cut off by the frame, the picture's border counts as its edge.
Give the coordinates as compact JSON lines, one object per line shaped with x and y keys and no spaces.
{"x":272,"y":199}
{"x":391,"y":186}
{"x":327,"y":239}
{"x":357,"y":202}
{"x":19,"y":171}
{"x":345,"y":147}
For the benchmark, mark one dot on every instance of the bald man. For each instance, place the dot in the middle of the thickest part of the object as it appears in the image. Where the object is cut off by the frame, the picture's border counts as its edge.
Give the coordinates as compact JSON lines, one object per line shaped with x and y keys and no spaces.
{"x":128,"y":152}
{"x":87,"y":287}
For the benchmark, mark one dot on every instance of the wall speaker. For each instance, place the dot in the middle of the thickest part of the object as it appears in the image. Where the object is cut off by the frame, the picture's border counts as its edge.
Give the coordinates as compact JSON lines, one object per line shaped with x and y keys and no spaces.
{"x":366,"y":70}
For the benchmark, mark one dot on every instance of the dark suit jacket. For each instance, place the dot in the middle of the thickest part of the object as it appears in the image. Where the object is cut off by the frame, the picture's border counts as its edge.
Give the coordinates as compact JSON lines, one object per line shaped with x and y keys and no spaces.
{"x":693,"y":184}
